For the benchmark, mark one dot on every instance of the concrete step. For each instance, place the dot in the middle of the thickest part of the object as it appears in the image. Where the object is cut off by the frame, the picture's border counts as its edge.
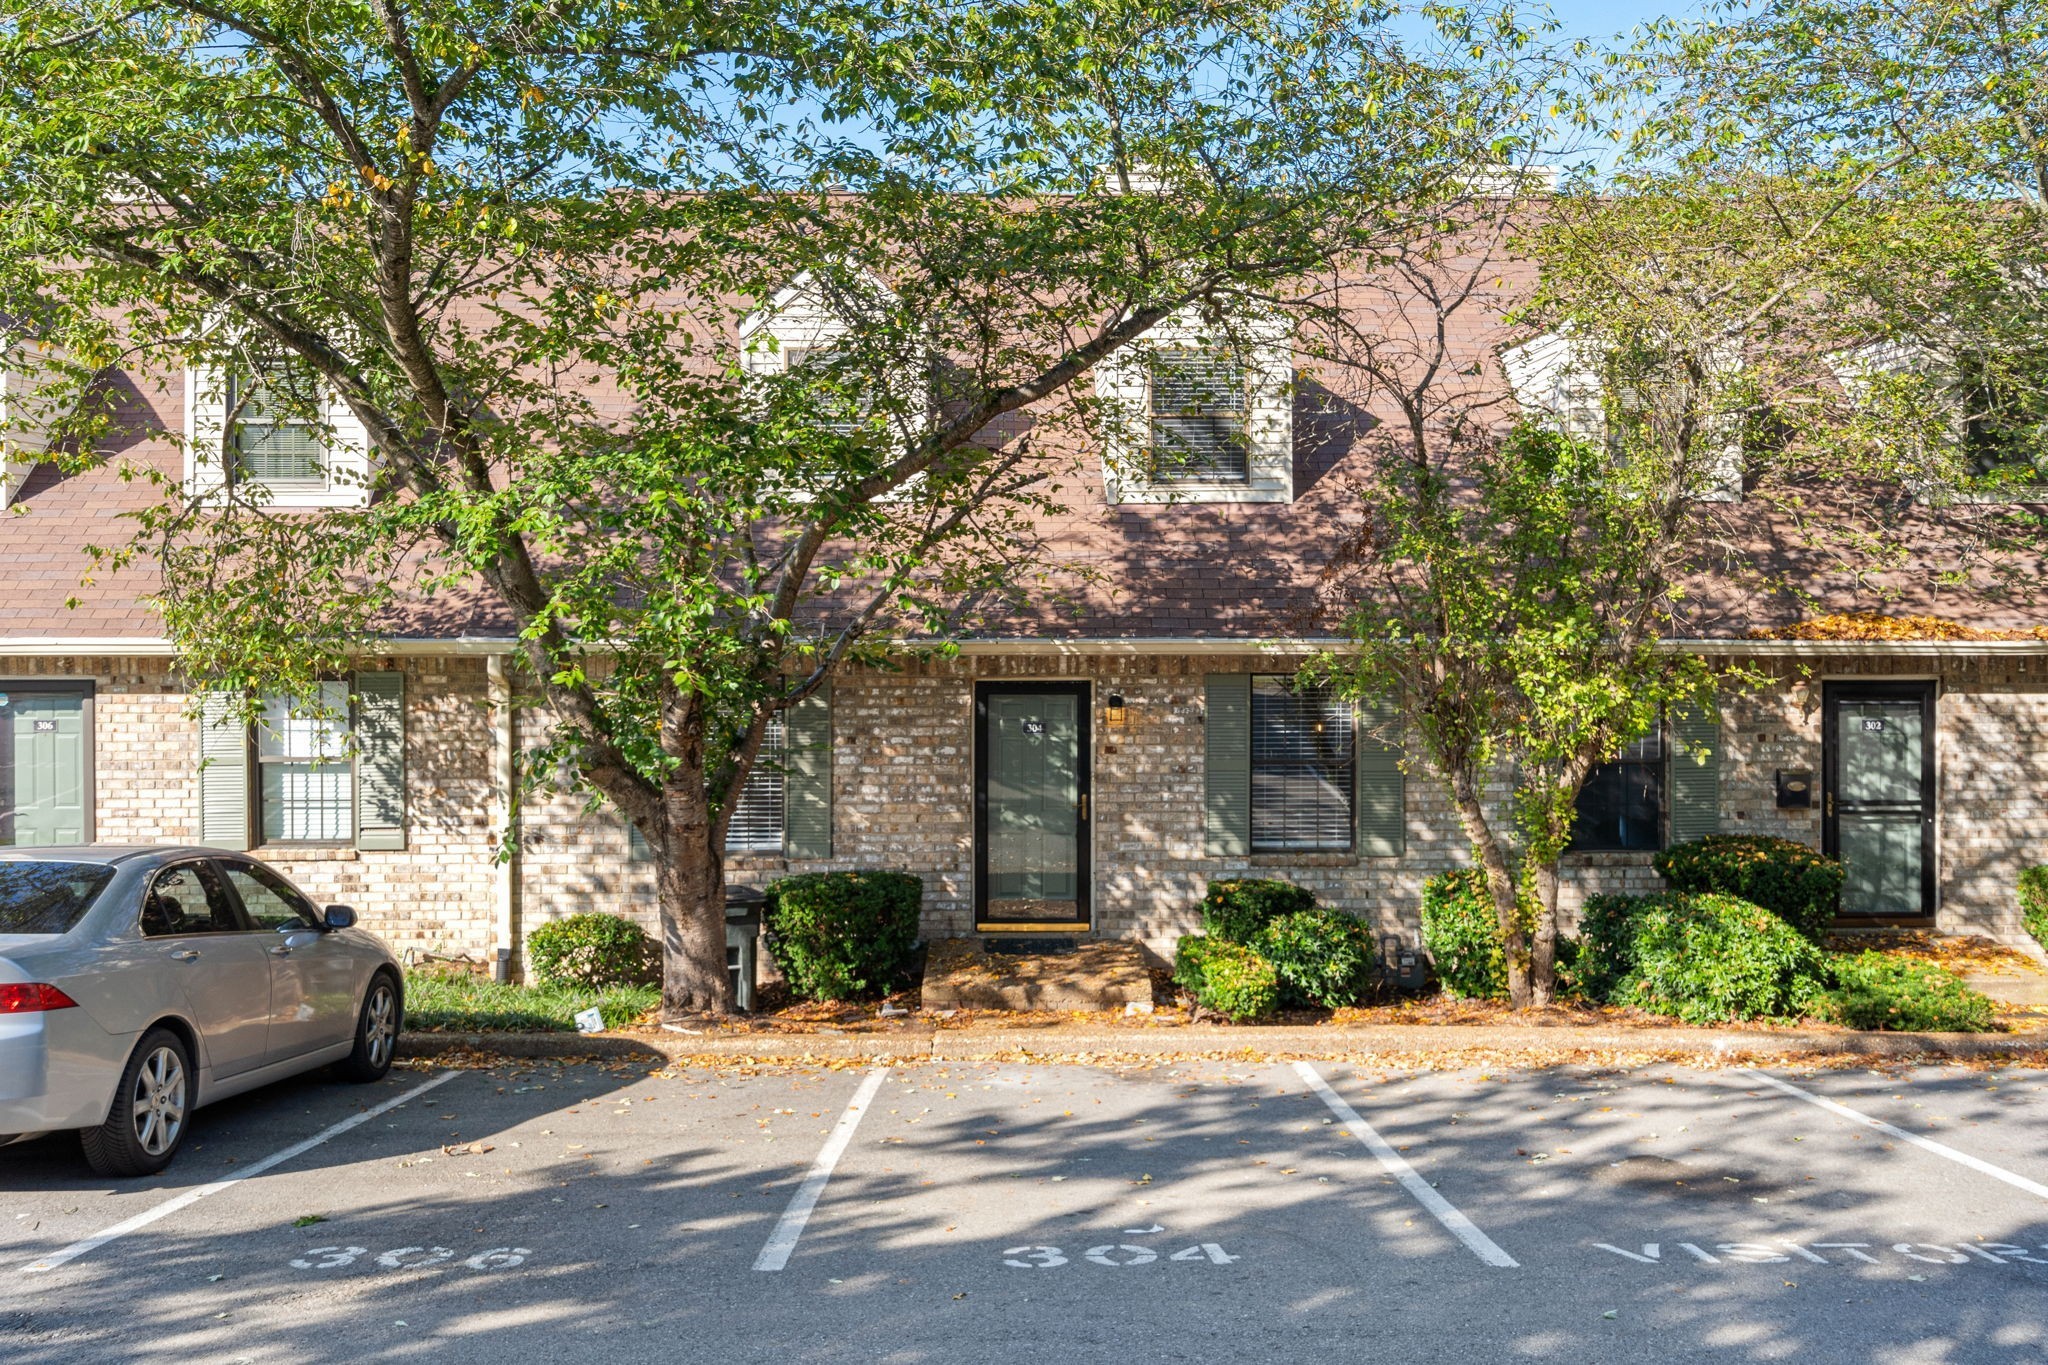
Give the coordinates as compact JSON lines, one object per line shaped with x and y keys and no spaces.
{"x":1107,"y":974}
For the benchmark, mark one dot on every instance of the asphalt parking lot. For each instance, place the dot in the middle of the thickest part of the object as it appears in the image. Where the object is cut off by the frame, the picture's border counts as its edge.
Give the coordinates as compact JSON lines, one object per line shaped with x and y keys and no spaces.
{"x":539,"y":1212}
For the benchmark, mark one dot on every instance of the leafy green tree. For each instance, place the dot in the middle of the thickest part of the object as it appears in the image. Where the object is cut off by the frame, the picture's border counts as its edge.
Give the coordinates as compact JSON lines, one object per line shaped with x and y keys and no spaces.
{"x":1930,"y":117}
{"x":1521,"y":564}
{"x":515,"y":244}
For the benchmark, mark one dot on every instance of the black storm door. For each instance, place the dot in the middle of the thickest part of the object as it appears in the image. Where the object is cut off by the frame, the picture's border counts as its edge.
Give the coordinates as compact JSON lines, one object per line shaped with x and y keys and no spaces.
{"x":1879,"y":814}
{"x":1031,"y":804}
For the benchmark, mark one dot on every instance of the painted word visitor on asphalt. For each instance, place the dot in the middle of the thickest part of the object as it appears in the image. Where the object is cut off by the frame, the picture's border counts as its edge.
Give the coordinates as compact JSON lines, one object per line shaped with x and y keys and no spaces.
{"x":1827,"y":1253}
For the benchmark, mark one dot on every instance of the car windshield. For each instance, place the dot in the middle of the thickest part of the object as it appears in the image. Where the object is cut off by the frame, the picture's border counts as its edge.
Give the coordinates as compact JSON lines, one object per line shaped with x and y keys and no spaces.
{"x":48,"y":897}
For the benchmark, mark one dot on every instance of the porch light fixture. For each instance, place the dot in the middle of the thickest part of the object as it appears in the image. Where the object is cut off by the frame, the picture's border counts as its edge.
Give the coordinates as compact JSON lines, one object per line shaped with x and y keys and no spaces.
{"x":1117,"y":713}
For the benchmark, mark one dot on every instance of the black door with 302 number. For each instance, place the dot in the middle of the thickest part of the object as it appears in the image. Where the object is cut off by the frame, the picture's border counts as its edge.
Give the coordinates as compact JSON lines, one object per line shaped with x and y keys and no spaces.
{"x":1879,"y":813}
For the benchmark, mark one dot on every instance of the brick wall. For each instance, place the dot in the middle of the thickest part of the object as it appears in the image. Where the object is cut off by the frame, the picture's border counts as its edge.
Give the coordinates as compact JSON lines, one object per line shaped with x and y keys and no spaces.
{"x":903,"y":796}
{"x":436,"y":896}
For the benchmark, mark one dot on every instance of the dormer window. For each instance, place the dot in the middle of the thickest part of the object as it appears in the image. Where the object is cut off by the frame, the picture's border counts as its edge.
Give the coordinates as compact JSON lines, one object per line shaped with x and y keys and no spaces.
{"x":1199,"y":406}
{"x":276,"y":433}
{"x":1560,"y":380}
{"x":274,"y":441}
{"x":845,"y":414}
{"x":1200,"y":410}
{"x":1966,"y":429}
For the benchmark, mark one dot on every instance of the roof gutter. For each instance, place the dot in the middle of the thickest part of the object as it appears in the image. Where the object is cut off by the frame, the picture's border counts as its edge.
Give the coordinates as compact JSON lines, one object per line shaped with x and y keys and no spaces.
{"x":485,"y":646}
{"x":1874,"y":649}
{"x":146,"y":647}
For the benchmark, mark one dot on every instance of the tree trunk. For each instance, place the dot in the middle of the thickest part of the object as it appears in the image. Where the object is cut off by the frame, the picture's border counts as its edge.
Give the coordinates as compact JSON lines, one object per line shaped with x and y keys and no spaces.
{"x":690,"y":877}
{"x":1543,"y":950}
{"x":1500,"y":880}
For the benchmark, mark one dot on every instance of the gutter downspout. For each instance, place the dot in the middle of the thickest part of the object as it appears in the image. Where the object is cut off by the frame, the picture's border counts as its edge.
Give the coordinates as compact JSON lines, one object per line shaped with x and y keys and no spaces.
{"x":505,"y":891}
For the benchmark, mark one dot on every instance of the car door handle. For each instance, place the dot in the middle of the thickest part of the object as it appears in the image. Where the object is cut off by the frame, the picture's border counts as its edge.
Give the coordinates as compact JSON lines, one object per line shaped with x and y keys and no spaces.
{"x":281,"y":950}
{"x":185,"y":955}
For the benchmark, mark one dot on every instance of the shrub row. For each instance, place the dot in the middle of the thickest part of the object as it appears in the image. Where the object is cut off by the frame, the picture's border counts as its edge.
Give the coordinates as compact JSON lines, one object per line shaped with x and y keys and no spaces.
{"x":1267,"y":945}
{"x":1736,"y":937}
{"x":1702,"y":958}
{"x":833,"y":935}
{"x":2034,"y":903}
{"x":1791,"y":880}
{"x":1461,"y":933}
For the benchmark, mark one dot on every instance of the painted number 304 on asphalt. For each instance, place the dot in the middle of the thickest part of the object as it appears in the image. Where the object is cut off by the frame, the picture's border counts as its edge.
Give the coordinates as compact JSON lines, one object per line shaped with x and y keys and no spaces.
{"x":1124,"y":1254}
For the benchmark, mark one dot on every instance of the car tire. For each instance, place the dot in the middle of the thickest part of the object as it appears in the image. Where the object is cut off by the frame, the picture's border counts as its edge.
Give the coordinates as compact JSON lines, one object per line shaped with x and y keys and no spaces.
{"x":151,"y":1111}
{"x":377,"y":1025}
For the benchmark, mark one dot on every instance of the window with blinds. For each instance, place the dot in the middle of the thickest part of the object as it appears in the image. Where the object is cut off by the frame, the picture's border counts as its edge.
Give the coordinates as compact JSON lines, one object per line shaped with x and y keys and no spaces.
{"x":757,"y":818}
{"x":1198,"y":418}
{"x":307,"y":789}
{"x":1304,"y":769}
{"x":273,"y":441}
{"x":843,"y":412}
{"x":1621,"y":807}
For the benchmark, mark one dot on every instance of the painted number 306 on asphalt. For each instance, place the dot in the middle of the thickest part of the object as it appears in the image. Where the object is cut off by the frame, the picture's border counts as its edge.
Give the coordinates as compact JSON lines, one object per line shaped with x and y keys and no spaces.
{"x":1124,"y":1254}
{"x":408,"y":1258}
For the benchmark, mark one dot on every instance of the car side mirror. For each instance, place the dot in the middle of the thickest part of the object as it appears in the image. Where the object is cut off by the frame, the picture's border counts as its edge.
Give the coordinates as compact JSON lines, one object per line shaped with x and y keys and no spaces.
{"x":339,"y":917}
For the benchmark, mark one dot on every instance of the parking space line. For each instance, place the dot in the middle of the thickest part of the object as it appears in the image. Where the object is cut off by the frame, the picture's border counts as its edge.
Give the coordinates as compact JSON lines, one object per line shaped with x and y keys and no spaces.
{"x":1440,"y":1208}
{"x":190,"y":1197}
{"x":782,"y":1241}
{"x":2019,"y":1182}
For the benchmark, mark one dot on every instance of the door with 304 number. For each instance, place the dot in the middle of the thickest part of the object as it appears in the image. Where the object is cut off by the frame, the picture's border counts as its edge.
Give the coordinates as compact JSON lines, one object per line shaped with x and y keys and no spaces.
{"x":1031,"y":805}
{"x":1879,"y":817}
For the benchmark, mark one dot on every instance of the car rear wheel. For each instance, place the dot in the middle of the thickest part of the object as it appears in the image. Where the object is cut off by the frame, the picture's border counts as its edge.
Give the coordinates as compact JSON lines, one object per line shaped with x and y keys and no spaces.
{"x":376,"y":1032}
{"x":152,"y":1106}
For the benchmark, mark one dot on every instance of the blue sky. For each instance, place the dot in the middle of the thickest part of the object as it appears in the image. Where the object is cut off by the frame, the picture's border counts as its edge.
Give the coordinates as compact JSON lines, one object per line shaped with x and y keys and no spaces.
{"x":1604,"y":18}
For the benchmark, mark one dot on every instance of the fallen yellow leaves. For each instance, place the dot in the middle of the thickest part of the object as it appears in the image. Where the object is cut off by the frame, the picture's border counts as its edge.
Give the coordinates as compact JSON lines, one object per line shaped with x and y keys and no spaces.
{"x":1867,"y":625}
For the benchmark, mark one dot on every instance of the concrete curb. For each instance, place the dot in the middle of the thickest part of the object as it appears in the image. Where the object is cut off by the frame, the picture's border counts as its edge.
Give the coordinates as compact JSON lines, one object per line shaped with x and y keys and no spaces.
{"x":1418,"y":1041}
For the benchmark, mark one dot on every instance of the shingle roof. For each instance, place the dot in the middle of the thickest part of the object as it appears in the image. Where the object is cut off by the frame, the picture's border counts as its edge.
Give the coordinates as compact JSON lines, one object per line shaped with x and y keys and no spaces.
{"x":1223,"y":571}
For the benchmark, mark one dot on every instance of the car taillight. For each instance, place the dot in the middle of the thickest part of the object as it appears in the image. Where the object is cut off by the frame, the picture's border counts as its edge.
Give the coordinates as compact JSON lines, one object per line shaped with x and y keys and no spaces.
{"x":32,"y":998}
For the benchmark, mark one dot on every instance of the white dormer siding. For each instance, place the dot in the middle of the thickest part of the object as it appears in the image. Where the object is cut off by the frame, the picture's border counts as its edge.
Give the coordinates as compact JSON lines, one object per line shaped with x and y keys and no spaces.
{"x":1199,"y":414}
{"x":806,"y":320}
{"x":1862,"y":369}
{"x":1557,"y":380}
{"x":24,"y":423}
{"x":343,"y":448}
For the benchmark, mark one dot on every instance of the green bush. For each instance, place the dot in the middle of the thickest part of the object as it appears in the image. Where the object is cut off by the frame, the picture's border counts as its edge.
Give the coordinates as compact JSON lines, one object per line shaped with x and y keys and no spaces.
{"x":1878,"y":991}
{"x":592,"y":951}
{"x":1226,"y":978}
{"x":1787,"y":878}
{"x":2034,"y":903}
{"x":1321,"y":957}
{"x":1702,"y":958}
{"x":1238,"y":909}
{"x":1462,"y":935}
{"x":843,"y":935}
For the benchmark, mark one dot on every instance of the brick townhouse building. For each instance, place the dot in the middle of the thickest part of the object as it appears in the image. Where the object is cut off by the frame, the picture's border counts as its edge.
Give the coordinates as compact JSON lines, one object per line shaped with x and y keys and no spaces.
{"x":1082,"y":768}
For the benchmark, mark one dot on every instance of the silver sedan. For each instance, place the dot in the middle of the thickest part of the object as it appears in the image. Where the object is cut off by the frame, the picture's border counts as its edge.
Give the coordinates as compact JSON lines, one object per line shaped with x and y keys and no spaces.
{"x":137,"y":984}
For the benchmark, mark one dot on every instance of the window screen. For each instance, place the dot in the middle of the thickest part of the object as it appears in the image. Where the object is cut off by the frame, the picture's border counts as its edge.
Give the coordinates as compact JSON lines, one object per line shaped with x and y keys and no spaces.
{"x":1303,"y":768}
{"x":757,"y":819}
{"x":274,"y":441}
{"x":1198,"y":418}
{"x":1621,"y":807}
{"x":307,"y":791}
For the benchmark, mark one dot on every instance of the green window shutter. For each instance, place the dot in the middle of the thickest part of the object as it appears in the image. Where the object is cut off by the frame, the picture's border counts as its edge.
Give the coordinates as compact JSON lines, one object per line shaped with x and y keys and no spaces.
{"x":1695,"y":772}
{"x":380,"y":761}
{"x":807,"y":780}
{"x":1382,"y":804}
{"x":1227,"y":766}
{"x":223,"y":773}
